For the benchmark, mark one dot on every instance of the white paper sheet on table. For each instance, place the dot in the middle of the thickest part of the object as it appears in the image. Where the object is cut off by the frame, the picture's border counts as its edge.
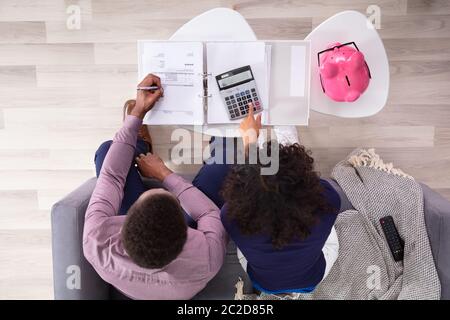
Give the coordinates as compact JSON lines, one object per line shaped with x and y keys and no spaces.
{"x":289,"y":82}
{"x":224,"y":56}
{"x":265,"y":119}
{"x":297,"y":80}
{"x":179,"y":65}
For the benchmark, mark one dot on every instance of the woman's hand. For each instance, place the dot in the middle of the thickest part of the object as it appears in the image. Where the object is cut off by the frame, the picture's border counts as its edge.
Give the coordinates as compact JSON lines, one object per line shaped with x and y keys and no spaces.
{"x":151,"y":166}
{"x":146,"y":99}
{"x":249,"y":127}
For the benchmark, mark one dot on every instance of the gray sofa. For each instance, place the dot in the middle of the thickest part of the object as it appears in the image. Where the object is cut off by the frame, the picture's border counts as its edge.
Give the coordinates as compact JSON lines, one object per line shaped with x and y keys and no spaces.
{"x":67,"y":219}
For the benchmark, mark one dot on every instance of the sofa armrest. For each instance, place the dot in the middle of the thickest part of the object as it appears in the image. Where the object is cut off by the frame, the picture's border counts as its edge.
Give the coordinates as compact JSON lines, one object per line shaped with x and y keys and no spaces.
{"x":437,"y":220}
{"x":73,"y":276}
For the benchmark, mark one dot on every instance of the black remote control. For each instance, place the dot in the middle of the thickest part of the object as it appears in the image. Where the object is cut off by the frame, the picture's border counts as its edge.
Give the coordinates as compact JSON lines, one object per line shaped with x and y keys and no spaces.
{"x":396,"y":244}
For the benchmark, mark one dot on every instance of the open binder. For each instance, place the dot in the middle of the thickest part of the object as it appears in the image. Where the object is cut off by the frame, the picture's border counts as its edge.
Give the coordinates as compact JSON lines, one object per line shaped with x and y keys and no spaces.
{"x":191,"y":95}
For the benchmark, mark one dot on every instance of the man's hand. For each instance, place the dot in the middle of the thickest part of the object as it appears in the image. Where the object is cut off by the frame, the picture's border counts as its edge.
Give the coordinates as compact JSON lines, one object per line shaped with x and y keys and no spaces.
{"x":249,"y":127}
{"x":146,"y":99}
{"x":151,"y":166}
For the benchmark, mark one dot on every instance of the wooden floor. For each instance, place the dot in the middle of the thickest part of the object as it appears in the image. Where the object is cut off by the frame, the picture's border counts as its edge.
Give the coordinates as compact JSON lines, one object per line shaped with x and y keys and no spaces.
{"x":61,"y":93}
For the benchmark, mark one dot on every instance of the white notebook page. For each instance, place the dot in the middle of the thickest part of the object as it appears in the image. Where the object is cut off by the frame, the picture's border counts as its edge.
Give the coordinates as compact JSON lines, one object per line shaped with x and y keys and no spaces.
{"x":225,"y":56}
{"x":179,"y":65}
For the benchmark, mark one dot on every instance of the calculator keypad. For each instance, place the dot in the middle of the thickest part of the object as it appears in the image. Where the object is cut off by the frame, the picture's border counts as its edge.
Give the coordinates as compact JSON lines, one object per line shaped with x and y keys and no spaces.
{"x":237,"y":103}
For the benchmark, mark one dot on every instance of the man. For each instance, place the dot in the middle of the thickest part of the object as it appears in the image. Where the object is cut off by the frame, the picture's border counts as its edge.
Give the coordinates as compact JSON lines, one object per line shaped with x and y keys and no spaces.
{"x":139,"y":240}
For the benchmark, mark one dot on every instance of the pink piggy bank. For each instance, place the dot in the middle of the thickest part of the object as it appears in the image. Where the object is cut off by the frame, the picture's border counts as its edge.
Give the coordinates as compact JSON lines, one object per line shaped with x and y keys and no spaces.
{"x":344,"y":73}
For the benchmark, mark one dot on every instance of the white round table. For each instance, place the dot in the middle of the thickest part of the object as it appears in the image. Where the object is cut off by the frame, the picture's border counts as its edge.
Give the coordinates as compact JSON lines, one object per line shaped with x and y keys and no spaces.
{"x":345,"y":27}
{"x":220,"y":24}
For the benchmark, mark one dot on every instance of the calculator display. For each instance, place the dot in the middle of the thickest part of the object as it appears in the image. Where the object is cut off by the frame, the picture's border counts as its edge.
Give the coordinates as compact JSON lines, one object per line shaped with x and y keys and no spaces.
{"x":233,"y":79}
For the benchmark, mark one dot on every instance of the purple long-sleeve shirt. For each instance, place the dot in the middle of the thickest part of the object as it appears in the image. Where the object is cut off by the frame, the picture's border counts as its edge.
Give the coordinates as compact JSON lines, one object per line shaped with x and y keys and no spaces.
{"x":202,"y":255}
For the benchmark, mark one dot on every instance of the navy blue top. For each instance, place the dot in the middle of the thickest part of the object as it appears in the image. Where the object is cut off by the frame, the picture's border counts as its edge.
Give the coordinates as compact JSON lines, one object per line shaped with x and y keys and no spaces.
{"x":297,"y":266}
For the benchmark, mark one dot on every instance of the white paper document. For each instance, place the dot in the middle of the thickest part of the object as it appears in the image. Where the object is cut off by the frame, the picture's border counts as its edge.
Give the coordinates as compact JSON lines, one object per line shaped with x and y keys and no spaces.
{"x":289,"y":82}
{"x":297,"y":81}
{"x":180,"y":67}
{"x":224,"y":56}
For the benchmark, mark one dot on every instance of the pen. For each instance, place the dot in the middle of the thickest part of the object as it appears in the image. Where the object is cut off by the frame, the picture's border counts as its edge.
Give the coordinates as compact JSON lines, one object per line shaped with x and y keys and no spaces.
{"x":148,"y":88}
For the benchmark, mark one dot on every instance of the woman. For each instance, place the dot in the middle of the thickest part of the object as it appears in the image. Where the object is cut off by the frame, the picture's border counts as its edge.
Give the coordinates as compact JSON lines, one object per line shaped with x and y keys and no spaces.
{"x":282,"y":223}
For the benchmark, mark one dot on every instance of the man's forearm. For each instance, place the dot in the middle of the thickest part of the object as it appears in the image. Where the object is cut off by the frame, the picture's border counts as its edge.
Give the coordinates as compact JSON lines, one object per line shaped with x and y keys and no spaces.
{"x":163,"y":174}
{"x":108,"y":193}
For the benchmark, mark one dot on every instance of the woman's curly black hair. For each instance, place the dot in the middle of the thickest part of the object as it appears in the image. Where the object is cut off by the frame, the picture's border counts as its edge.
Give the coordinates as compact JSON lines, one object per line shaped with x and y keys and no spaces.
{"x":285,"y":205}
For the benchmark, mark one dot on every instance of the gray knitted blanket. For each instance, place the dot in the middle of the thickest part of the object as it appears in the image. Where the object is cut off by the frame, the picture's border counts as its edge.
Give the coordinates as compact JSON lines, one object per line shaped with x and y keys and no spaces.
{"x":365,"y":268}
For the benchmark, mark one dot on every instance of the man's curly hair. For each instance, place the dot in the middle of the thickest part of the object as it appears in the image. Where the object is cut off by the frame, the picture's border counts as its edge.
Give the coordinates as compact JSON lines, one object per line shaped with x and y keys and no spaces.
{"x":285,"y":205}
{"x":154,"y":231}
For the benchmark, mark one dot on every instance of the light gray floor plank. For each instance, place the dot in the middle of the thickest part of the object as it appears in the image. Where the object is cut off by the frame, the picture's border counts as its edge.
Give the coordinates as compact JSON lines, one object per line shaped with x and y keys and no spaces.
{"x":103,"y":30}
{"x":50,"y":97}
{"x":26,"y":260}
{"x":281,"y":28}
{"x":22,"y":32}
{"x":88,"y":76}
{"x":115,"y":53}
{"x":417,"y":49}
{"x":17,"y":76}
{"x":314,"y":8}
{"x":35,"y":54}
{"x":42,"y":10}
{"x":420,"y":7}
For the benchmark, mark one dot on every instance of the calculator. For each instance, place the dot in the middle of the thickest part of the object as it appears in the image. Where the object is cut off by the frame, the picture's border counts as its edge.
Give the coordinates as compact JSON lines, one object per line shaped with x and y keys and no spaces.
{"x":238,"y":88}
